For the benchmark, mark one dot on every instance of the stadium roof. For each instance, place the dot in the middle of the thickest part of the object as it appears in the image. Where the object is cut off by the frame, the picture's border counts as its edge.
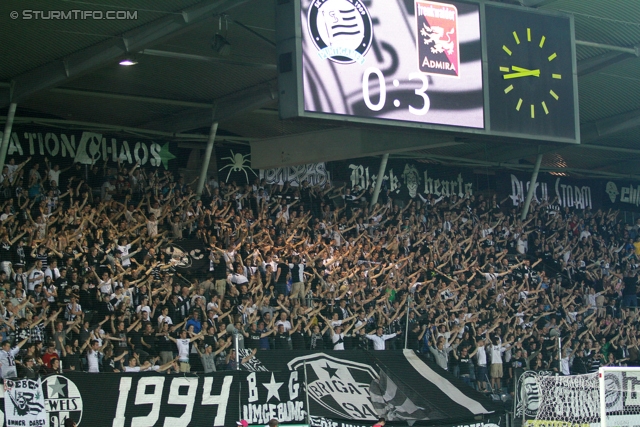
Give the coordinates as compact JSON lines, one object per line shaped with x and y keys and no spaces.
{"x":67,"y":73}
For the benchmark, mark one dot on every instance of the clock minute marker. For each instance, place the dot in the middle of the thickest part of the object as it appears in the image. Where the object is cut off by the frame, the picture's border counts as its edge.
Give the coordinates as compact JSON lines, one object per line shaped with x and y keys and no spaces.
{"x":505,"y":69}
{"x":552,"y":57}
{"x":554,"y":95}
{"x":519,"y":105}
{"x":544,"y":107}
{"x":542,"y":40}
{"x":506,"y":49}
{"x":515,"y":36}
{"x":508,"y":89}
{"x":533,"y":111}
{"x":556,"y":76}
{"x":529,"y":34}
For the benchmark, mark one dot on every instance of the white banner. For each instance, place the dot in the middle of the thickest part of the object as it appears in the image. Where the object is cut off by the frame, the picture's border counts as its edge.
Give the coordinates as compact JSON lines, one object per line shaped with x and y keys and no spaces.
{"x":24,"y":404}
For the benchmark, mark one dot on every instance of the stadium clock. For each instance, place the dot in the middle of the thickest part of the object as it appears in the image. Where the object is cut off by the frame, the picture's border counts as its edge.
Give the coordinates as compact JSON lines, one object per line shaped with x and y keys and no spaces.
{"x":530,"y":70}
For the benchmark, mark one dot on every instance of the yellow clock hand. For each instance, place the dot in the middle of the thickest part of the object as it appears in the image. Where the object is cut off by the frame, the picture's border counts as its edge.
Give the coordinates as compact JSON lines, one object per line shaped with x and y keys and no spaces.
{"x":528,"y":73}
{"x":519,"y":69}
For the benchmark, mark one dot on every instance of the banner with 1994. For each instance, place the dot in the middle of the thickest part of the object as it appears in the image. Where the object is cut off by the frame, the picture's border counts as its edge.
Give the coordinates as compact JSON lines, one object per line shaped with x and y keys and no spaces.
{"x":141,"y":399}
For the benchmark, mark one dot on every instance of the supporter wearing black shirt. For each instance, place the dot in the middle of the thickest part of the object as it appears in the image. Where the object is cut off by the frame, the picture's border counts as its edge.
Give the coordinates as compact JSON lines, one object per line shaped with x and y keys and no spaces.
{"x":18,"y":254}
{"x":134,"y":338}
{"x":298,"y":338}
{"x":253,"y":340}
{"x":283,"y":339}
{"x":282,"y":274}
{"x":62,"y":282}
{"x":5,"y":249}
{"x":148,"y":340}
{"x":630,"y":291}
{"x":517,"y":366}
{"x":414,"y":336}
{"x":71,"y":359}
{"x":465,"y":364}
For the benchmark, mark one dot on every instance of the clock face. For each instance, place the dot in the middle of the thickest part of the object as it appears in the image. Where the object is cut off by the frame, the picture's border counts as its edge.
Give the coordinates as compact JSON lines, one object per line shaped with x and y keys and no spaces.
{"x":530,"y":67}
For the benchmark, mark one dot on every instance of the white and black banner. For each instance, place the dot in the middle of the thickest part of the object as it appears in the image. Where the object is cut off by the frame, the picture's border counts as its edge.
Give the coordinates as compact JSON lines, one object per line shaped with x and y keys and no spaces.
{"x":150,"y":399}
{"x":354,"y":386}
{"x":24,"y":404}
{"x":313,"y":173}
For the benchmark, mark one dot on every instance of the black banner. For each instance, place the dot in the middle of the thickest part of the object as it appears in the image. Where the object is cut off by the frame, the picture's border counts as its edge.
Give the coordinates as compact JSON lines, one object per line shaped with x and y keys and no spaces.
{"x":343,"y":388}
{"x":87,"y":147}
{"x":564,"y":191}
{"x":620,"y":195}
{"x":405,"y":179}
{"x":148,"y":399}
{"x":345,"y":385}
{"x":188,"y":256}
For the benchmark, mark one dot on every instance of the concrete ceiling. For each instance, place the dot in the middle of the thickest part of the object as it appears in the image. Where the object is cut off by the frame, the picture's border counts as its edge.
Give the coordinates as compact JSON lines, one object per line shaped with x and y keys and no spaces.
{"x":68,"y":70}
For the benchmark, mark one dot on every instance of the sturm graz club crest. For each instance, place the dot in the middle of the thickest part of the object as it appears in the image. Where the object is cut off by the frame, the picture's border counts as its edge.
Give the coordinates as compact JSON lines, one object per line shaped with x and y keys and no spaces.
{"x":613,"y":390}
{"x":62,"y":400}
{"x":340,"y":29}
{"x":340,"y":386}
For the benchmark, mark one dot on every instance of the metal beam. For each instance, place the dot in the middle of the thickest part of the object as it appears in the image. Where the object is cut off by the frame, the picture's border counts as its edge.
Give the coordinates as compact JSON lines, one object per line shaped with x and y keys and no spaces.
{"x":535,"y":3}
{"x":629,"y":50}
{"x":207,"y":158}
{"x":502,"y":154}
{"x":68,"y":124}
{"x":603,"y":148}
{"x":339,"y":144}
{"x":142,"y":99}
{"x":226,"y":107}
{"x":379,"y":179}
{"x":609,"y":126}
{"x":597,"y":63}
{"x":216,"y":59}
{"x":58,"y":72}
{"x":512,"y":166}
{"x":135,"y":98}
{"x":532,"y":188}
{"x":6,"y":136}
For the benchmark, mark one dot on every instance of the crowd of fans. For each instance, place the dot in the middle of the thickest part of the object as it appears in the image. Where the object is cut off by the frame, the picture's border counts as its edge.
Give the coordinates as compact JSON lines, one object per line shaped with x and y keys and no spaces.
{"x":90,"y":278}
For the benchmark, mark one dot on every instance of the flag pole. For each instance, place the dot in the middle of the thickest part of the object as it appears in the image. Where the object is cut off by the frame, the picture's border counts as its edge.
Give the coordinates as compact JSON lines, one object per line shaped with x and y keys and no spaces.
{"x":306,"y":394}
{"x":406,"y":331}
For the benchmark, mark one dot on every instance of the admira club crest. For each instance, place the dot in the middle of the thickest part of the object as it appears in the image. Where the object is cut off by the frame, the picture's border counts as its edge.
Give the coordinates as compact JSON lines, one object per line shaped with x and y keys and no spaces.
{"x":340,"y":386}
{"x":62,"y":400}
{"x":340,"y":29}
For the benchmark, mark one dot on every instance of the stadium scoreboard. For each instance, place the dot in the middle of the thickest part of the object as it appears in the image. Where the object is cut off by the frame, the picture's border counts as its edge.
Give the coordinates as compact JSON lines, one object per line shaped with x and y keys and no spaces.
{"x":468,"y":67}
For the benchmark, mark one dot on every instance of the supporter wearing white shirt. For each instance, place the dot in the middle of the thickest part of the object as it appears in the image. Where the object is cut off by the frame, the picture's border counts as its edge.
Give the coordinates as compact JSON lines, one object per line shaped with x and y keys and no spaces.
{"x":93,"y":356}
{"x":36,"y":277}
{"x":7,"y":213}
{"x":337,"y":338}
{"x":284,"y":322}
{"x":496,"y":369}
{"x":379,"y":339}
{"x":124,"y":248}
{"x":237,"y":278}
{"x":152,"y":226}
{"x":164,"y":317}
{"x":105,"y":284}
{"x":183,"y":349}
{"x":7,"y":361}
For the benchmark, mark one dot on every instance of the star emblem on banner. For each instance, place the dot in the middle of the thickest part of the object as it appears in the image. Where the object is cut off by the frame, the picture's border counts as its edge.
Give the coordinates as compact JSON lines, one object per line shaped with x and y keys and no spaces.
{"x":331,"y":371}
{"x":56,"y":389}
{"x":165,"y":155}
{"x":273,"y":388}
